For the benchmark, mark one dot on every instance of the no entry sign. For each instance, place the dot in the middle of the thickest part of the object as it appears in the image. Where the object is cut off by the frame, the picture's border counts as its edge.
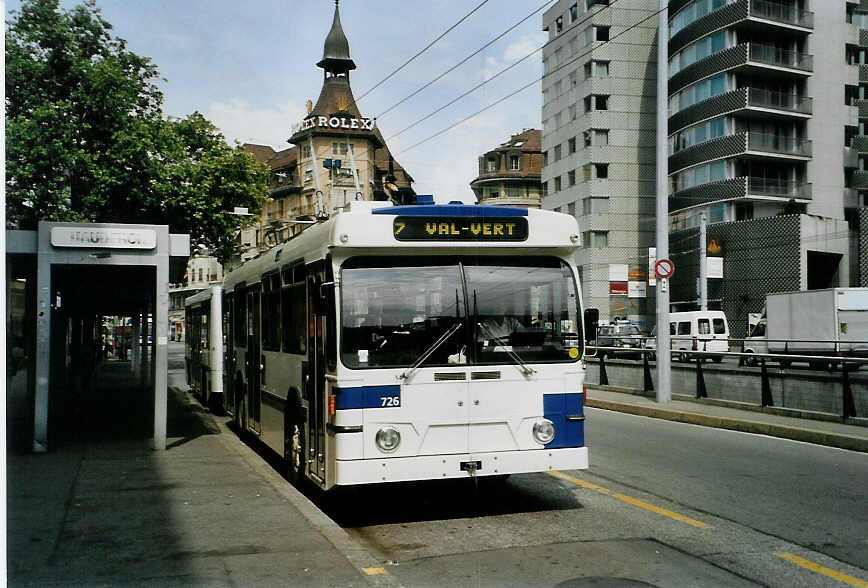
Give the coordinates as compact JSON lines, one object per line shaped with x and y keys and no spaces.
{"x":664,"y":268}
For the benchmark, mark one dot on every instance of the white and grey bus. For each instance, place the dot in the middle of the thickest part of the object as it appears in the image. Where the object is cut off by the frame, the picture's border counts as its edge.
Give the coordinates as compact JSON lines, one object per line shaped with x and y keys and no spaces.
{"x":203,"y":345}
{"x":392,"y":343}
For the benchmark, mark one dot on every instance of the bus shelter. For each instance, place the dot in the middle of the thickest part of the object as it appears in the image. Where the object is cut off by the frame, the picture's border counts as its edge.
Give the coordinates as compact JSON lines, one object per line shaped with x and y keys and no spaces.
{"x":62,"y":281}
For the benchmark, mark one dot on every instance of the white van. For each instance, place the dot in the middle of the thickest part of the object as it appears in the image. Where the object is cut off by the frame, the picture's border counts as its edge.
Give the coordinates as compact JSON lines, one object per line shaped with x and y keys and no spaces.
{"x":696,"y":330}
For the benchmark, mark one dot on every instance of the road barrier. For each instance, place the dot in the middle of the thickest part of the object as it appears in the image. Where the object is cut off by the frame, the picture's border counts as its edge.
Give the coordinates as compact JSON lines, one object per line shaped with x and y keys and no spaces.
{"x":738,"y":384}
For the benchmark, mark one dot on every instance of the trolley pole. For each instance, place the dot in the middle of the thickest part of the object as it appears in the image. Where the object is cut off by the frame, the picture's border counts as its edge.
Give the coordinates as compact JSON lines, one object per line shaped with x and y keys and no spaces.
{"x":664,"y":358}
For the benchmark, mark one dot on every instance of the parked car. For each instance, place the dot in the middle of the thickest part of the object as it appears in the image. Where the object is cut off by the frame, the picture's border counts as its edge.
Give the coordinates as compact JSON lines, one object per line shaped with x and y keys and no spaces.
{"x":626,"y":337}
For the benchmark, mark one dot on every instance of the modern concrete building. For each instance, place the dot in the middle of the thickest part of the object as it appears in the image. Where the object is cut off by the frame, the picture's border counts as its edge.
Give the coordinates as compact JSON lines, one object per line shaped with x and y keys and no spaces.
{"x":509,"y":175}
{"x":768,"y":104}
{"x":333,"y":131}
{"x":598,"y":142}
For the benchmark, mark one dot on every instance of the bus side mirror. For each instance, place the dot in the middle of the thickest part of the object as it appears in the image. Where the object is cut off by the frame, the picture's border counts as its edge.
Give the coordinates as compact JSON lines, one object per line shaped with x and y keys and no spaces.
{"x":592,"y":322}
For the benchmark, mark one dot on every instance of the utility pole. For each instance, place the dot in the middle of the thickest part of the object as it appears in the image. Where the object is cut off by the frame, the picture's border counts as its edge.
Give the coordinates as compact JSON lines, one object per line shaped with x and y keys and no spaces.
{"x":703,"y":267}
{"x":664,"y":357}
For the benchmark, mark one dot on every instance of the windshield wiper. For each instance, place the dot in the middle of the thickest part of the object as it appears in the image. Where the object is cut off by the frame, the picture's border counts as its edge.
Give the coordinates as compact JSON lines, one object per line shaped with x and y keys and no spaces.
{"x":427,"y":353}
{"x":525,"y":369}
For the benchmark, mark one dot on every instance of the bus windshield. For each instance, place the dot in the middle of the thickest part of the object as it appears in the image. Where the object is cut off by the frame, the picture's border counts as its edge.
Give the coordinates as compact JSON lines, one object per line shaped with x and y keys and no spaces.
{"x":394,"y":308}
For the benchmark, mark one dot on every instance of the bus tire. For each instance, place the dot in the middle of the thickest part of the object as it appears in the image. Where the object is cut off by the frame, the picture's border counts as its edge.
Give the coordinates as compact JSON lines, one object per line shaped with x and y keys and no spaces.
{"x":294,"y":449}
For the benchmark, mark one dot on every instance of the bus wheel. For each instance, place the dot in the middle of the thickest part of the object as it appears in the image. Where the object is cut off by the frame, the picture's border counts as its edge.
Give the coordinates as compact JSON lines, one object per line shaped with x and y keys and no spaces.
{"x":294,"y":451}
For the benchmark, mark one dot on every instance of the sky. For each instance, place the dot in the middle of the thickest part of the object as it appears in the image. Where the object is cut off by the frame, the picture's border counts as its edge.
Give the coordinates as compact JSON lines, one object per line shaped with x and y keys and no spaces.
{"x":250,"y":66}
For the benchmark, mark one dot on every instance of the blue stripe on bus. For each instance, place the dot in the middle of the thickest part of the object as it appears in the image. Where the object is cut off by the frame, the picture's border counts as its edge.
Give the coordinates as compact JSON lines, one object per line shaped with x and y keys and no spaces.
{"x":472,"y":210}
{"x":368,"y":397}
{"x":556,"y":408}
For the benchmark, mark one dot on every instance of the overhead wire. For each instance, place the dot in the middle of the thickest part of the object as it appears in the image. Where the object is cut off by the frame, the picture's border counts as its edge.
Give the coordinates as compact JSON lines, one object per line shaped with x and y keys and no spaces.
{"x":522,"y":88}
{"x":466,"y":59}
{"x":423,"y":50}
{"x":501,"y":72}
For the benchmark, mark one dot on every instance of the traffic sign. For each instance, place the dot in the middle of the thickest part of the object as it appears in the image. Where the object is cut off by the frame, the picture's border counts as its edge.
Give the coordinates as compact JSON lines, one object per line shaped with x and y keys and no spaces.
{"x":664,"y":268}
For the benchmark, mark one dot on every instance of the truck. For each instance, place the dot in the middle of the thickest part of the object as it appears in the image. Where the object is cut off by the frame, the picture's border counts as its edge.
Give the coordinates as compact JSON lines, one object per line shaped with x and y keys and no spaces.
{"x":832,"y":322}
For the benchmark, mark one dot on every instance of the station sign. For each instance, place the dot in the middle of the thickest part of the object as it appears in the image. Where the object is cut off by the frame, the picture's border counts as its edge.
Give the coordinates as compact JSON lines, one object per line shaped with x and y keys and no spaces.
{"x":103,"y":238}
{"x":421,"y":228}
{"x":335,"y":122}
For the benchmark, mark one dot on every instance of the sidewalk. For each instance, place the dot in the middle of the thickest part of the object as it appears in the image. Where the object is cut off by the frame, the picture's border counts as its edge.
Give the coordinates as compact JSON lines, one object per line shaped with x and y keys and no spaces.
{"x":747,"y":419}
{"x":104,"y":509}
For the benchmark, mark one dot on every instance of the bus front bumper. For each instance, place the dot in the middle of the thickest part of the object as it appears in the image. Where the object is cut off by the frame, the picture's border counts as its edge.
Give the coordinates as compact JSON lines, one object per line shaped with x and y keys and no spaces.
{"x":441,"y":467}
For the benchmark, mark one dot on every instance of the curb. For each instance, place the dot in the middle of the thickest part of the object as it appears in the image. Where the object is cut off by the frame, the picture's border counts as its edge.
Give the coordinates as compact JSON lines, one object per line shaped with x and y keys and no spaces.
{"x":782,"y":431}
{"x":334,"y":534}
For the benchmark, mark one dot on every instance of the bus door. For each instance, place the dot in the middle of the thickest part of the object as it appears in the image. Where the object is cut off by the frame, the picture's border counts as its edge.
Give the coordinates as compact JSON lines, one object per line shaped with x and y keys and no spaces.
{"x":228,"y":352}
{"x":254,"y":359}
{"x":319,"y":287}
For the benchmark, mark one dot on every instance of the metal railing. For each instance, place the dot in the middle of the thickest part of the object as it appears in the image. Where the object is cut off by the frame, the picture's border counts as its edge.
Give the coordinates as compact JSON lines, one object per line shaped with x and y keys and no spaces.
{"x":789,"y":14}
{"x":843,"y":356}
{"x":776,"y":143}
{"x":772,"y":55}
{"x":780,"y":100}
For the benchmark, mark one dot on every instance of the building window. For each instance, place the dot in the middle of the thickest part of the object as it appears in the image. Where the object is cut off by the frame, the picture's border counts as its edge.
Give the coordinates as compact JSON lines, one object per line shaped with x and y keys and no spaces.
{"x":557,"y":152}
{"x":491,"y":164}
{"x":557,"y":183}
{"x":572,"y":112}
{"x":599,"y":239}
{"x":596,"y":102}
{"x":308,"y":176}
{"x":559,"y":25}
{"x":571,"y":209}
{"x":596,"y":33}
{"x":558,"y":120}
{"x":574,"y":79}
{"x":305,"y":151}
{"x":597,"y":69}
{"x":574,"y":12}
{"x":601,"y":137}
{"x":514,"y":162}
{"x":601,"y":170}
{"x":597,"y":3}
{"x":559,"y":88}
{"x":571,"y":143}
{"x":571,"y":177}
{"x":544,"y":189}
{"x":586,"y":138}
{"x":595,"y":205}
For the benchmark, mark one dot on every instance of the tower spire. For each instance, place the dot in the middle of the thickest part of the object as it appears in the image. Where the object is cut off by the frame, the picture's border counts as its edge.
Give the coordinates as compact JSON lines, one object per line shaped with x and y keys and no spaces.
{"x":336,"y":49}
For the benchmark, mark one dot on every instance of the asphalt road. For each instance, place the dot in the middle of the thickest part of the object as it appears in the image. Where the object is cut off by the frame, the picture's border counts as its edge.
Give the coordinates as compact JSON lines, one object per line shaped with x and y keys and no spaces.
{"x":812,"y":495}
{"x":663,"y":503}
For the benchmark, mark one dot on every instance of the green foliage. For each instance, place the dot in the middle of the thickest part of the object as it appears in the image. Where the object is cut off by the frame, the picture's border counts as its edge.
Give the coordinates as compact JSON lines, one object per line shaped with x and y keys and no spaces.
{"x":86,"y":140}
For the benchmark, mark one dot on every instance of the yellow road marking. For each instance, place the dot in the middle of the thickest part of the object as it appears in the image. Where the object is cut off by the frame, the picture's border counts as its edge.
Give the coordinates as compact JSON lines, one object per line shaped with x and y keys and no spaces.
{"x":374,"y":571}
{"x":841,"y":577}
{"x":628,"y":499}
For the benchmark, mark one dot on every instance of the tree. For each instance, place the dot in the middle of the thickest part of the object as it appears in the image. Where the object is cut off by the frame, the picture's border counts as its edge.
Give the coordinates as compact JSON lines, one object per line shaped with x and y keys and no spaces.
{"x":86,"y":140}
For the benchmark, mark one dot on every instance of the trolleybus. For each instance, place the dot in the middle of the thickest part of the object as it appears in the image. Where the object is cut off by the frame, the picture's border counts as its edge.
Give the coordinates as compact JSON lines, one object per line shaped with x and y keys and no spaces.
{"x":395,"y":343}
{"x":203,"y":346}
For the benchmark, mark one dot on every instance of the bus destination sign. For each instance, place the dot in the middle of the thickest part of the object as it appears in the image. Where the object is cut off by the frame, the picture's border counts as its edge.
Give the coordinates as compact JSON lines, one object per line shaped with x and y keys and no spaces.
{"x":427,"y":228}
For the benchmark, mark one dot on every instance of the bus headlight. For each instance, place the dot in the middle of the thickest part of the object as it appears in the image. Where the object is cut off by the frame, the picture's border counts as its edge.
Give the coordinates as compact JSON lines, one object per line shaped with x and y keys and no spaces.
{"x":388,"y":439}
{"x":544,"y":431}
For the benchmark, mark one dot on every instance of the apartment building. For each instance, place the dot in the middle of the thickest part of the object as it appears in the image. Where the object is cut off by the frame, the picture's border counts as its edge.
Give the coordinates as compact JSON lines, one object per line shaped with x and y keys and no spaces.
{"x":509,"y":174}
{"x":763,"y":125}
{"x":767,"y":145}
{"x":598,"y":143}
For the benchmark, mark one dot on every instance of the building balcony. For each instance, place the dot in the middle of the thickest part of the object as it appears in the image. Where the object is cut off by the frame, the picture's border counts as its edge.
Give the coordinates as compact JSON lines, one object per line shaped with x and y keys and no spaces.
{"x":863,"y":73}
{"x":741,"y":188}
{"x":860,"y":180}
{"x":751,"y":145}
{"x":780,"y":102}
{"x":775,"y":145}
{"x":859,"y":143}
{"x":758,"y":59}
{"x":756,"y":15}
